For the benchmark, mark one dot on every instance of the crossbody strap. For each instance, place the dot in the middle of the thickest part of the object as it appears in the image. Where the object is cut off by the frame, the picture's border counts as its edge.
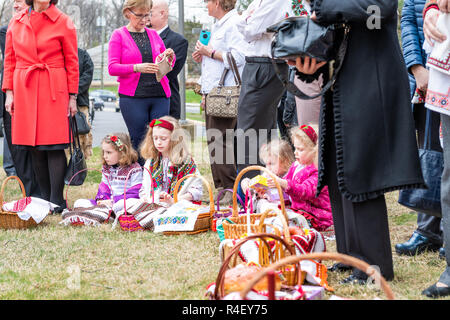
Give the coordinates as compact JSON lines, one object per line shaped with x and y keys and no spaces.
{"x":292,"y":88}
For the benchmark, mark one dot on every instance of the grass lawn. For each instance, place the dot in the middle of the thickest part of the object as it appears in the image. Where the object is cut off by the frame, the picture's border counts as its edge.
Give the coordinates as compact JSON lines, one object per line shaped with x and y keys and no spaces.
{"x":57,"y":262}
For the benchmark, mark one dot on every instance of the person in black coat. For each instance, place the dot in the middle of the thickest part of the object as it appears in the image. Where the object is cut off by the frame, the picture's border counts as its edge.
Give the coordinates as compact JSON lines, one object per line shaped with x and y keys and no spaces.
{"x":160,"y":22}
{"x":20,"y":157}
{"x":367,"y":143}
{"x":86,"y":67}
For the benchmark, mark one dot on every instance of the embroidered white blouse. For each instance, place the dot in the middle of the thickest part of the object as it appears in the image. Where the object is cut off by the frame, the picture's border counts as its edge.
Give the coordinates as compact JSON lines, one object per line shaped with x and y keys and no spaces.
{"x":225,"y":37}
{"x":193,"y":186}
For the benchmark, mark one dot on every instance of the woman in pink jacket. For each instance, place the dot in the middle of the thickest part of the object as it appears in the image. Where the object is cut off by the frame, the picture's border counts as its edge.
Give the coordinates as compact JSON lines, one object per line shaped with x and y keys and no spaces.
{"x":134,"y":51}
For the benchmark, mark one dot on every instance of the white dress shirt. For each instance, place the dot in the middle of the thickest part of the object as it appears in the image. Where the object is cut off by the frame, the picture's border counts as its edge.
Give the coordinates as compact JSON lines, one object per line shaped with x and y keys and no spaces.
{"x":160,"y":31}
{"x":225,"y":37}
{"x":254,"y":22}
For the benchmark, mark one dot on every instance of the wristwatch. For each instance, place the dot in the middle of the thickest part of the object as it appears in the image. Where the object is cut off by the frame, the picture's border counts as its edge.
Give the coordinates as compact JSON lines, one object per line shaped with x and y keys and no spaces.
{"x":73,"y":95}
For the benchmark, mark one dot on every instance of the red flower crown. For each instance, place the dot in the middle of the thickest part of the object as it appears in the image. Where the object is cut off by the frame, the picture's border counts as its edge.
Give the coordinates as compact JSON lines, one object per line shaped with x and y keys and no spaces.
{"x":116,"y":141}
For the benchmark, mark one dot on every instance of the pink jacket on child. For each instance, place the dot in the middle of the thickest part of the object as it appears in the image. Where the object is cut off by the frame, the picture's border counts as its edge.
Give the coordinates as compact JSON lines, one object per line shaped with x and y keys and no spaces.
{"x":123,"y":53}
{"x":301,"y":188}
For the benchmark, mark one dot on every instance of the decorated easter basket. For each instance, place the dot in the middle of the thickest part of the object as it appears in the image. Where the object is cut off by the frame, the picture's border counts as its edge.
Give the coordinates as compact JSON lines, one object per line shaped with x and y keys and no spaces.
{"x":10,"y":219}
{"x":266,"y":256}
{"x":345,"y":259}
{"x":204,"y":220}
{"x":238,"y":228}
{"x":127,"y":221}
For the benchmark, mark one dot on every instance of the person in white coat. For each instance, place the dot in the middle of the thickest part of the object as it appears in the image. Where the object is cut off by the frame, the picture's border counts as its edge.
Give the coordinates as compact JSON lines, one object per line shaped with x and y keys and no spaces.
{"x":225,"y":38}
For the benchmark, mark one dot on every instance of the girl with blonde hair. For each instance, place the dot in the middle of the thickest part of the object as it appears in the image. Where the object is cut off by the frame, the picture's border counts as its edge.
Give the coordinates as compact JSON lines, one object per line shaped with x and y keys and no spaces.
{"x":168,"y":159}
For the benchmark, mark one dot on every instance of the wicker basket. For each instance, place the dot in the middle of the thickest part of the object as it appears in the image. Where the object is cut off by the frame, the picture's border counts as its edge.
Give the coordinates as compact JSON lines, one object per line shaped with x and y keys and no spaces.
{"x":239,"y":228}
{"x":9,"y":219}
{"x":289,"y":281}
{"x":348,"y":260}
{"x":204,"y":220}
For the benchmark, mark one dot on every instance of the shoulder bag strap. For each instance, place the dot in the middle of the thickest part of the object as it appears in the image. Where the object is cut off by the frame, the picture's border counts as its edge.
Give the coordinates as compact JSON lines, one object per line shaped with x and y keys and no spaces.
{"x":292,"y":88}
{"x":234,"y":68}
{"x":222,"y":78}
{"x":75,"y":135}
{"x":70,"y":136}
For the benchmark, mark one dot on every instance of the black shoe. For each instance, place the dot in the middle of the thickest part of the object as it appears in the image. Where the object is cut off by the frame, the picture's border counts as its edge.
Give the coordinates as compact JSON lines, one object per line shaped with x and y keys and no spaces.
{"x":436,"y":292}
{"x":442,"y":253}
{"x":416,"y":245}
{"x":339,"y":267}
{"x":352,"y":279}
{"x":59,"y":209}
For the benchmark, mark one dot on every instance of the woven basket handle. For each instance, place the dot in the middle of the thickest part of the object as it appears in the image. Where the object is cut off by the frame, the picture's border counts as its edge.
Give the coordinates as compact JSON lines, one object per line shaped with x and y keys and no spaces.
{"x":87,"y":169}
{"x":219,"y":291}
{"x":348,"y":260}
{"x":256,"y":168}
{"x":22,"y":188}
{"x":126,"y":183}
{"x":287,"y":234}
{"x":211,"y":196}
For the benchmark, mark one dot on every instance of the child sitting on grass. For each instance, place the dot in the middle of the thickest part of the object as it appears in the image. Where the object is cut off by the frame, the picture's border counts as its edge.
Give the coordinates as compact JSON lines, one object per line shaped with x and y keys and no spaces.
{"x":300,"y":183}
{"x":278,"y":158}
{"x":168,"y":159}
{"x":118,"y":159}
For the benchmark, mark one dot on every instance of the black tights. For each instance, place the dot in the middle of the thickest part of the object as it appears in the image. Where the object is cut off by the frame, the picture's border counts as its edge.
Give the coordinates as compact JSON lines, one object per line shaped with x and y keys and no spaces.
{"x":49,"y":168}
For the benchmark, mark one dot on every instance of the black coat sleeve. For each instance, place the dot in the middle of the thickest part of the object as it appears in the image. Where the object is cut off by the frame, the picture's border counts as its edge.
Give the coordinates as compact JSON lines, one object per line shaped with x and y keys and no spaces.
{"x":180,"y":47}
{"x":3,"y":40}
{"x":359,"y":11}
{"x":87,"y":73}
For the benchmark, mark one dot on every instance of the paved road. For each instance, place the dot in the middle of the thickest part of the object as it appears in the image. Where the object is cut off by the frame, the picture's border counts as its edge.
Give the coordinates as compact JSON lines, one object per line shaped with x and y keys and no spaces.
{"x":106,"y":122}
{"x":109,"y":121}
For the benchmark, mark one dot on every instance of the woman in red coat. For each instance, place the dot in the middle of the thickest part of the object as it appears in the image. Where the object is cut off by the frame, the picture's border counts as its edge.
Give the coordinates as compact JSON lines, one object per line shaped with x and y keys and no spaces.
{"x":41,"y":83}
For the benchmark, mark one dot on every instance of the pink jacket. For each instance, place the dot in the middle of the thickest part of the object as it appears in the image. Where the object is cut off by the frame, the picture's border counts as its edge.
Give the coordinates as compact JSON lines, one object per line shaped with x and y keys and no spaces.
{"x":123,"y":53}
{"x":302,"y":188}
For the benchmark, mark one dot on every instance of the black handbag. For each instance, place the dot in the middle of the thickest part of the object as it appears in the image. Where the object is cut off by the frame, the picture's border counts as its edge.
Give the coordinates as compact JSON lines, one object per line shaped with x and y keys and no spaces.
{"x":82,"y":124}
{"x":427,"y":201}
{"x":77,"y":161}
{"x":300,"y":37}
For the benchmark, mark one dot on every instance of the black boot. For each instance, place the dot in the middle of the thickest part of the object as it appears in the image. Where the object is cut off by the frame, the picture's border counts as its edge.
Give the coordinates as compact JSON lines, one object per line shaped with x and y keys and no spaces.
{"x":416,"y":245}
{"x":436,"y":292}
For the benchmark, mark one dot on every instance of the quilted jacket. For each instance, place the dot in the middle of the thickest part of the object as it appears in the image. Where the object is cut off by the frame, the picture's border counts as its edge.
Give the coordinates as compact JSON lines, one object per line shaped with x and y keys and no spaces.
{"x":412,"y":36}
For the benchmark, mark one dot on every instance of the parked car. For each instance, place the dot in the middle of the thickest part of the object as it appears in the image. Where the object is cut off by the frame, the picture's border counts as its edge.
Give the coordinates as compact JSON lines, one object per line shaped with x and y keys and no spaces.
{"x":117,"y":105}
{"x":97,"y":102}
{"x":105,"y":95}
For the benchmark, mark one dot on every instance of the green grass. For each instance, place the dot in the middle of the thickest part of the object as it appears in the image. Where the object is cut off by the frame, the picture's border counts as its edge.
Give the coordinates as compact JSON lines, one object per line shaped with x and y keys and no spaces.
{"x":195,"y":116}
{"x":192,"y":97}
{"x":57,"y":262}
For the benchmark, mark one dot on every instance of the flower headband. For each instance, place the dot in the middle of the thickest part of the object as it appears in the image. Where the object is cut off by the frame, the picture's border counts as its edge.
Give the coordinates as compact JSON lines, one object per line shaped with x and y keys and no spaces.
{"x":116,"y":141}
{"x":310,"y":133}
{"x":161,"y":123}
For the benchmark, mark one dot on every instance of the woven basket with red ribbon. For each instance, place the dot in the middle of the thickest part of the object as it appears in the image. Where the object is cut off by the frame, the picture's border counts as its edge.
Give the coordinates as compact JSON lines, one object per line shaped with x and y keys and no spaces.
{"x":128,"y":222}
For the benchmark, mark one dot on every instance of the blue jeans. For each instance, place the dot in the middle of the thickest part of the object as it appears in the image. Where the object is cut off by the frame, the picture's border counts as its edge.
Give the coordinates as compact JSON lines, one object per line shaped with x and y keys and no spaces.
{"x":139,"y":112}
